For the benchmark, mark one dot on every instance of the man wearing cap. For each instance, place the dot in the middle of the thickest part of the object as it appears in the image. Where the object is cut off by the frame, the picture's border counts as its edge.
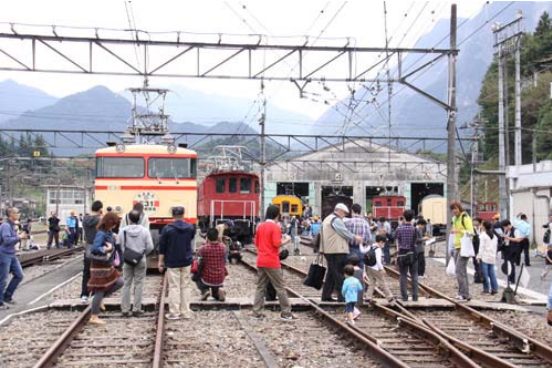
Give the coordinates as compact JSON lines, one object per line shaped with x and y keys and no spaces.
{"x":334,"y":244}
{"x":8,"y":260}
{"x":175,"y":255}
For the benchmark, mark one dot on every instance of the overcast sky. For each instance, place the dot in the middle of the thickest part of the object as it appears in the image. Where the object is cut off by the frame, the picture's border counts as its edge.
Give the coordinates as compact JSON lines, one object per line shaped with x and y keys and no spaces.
{"x":361,"y":21}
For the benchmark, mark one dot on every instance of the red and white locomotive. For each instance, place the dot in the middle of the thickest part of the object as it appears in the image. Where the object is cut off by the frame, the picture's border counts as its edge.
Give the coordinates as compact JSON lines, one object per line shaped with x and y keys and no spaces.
{"x":389,"y":206}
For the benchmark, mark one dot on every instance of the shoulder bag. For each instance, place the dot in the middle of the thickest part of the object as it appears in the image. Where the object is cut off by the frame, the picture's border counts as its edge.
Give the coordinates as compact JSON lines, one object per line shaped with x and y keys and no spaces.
{"x":106,"y":258}
{"x":130,"y":256}
{"x":317,"y":271}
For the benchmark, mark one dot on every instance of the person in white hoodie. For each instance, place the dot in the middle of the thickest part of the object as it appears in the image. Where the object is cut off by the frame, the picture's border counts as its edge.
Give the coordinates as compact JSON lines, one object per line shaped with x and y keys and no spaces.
{"x":136,"y":243}
{"x":488,"y":242}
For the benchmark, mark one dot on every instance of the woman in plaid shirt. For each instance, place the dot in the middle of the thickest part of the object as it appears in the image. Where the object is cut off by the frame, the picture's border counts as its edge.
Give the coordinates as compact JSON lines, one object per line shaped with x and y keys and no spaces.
{"x":213,"y":267}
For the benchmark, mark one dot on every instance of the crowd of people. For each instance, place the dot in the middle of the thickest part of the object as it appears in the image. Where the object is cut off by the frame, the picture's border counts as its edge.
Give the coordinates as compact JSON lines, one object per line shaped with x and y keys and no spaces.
{"x":355,"y":248}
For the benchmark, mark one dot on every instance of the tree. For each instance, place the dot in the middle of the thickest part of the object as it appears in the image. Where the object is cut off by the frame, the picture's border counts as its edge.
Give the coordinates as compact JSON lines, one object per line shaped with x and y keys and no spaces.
{"x":544,"y":26}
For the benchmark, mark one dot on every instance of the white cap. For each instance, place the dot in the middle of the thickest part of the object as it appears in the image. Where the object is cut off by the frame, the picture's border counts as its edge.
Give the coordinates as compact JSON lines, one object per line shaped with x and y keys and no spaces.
{"x":341,"y":206}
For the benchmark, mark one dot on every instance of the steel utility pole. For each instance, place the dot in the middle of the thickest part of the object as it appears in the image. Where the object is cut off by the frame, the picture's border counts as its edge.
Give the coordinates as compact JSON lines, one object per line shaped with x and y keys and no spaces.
{"x":507,"y":39}
{"x":262,"y":123}
{"x":452,"y":182}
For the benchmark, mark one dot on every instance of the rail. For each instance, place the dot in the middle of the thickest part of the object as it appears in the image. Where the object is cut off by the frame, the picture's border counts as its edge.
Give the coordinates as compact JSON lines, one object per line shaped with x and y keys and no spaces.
{"x":40,"y":256}
{"x":160,"y":332}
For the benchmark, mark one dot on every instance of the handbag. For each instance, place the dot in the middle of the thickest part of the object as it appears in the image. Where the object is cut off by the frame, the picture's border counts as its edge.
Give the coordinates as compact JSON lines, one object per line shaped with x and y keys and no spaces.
{"x":130,"y":256}
{"x":195,"y":269}
{"x":100,"y":258}
{"x":451,"y":267}
{"x":317,"y":271}
{"x":466,"y":247}
{"x":116,"y":259}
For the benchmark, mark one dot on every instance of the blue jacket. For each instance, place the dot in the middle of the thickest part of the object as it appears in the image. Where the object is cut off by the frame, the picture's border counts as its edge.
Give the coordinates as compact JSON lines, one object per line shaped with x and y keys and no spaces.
{"x":175,"y":244}
{"x":9,"y":237}
{"x":351,"y":288}
{"x":71,"y":222}
{"x":315,"y":228}
{"x":100,"y":239}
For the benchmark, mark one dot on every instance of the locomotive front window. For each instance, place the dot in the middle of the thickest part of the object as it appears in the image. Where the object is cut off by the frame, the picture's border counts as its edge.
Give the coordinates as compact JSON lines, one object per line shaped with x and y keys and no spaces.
{"x":285,"y":207}
{"x":245,"y":185}
{"x":233,"y":185}
{"x":400,"y":204}
{"x":294,"y":208}
{"x":119,"y":167}
{"x":172,"y":168}
{"x":220,"y":185}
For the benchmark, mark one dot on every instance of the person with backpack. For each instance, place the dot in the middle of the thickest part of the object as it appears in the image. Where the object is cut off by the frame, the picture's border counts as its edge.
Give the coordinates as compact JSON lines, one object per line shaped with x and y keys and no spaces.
{"x":358,"y":225}
{"x":406,"y":236}
{"x":212,"y":268}
{"x":144,"y":219}
{"x":512,"y":246}
{"x":90,"y":228}
{"x":136,"y":243}
{"x":9,"y":263}
{"x":104,"y":278}
{"x":461,"y":226}
{"x":488,"y":243}
{"x":375,"y":272}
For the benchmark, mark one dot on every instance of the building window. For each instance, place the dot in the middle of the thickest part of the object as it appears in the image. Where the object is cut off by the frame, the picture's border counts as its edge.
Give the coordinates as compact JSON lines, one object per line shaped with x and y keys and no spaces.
{"x":220,"y":185}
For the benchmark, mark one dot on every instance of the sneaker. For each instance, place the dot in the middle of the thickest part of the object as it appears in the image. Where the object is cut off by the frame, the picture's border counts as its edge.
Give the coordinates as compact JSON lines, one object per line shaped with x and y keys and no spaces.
{"x":10,"y":301}
{"x":205,"y":295}
{"x":287,"y":317}
{"x":222,"y":295}
{"x":356,"y":313}
{"x":494,"y":292}
{"x":84,"y":299}
{"x":3,"y":306}
{"x":125,"y":314}
{"x":188,"y":315}
{"x":102,"y":307}
{"x":95,"y":320}
{"x":414,"y":298}
{"x":138,"y":313}
{"x":172,"y":316}
{"x":350,"y":322}
{"x":257,"y":315}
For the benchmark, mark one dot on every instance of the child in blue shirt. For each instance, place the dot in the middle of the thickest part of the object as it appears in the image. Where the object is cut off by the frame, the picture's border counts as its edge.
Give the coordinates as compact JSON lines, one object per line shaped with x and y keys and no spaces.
{"x":351,"y":288}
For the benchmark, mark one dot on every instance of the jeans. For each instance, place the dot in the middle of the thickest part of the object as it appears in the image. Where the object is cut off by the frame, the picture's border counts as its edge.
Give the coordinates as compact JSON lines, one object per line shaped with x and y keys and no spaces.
{"x":85,"y":277}
{"x":53,"y":235}
{"x":276,"y":278}
{"x":100,"y":295}
{"x":489,"y":274}
{"x":9,"y":264}
{"x":355,"y":251}
{"x":421,"y":263}
{"x":386,"y":253}
{"x":72,"y":237}
{"x":525,"y":250}
{"x":133,"y":274}
{"x":203,"y":288}
{"x":179,"y":290}
{"x":413,"y":270}
{"x":334,"y":276}
{"x":462,"y":274}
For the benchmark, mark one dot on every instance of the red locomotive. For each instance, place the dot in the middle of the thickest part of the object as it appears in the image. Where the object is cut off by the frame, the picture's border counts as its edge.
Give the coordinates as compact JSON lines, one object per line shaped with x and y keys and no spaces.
{"x":230,"y":196}
{"x":389,"y":206}
{"x":486,"y":210}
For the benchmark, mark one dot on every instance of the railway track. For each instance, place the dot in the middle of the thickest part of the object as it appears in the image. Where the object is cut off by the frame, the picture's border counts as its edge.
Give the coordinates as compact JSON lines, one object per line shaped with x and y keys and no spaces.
{"x":30,"y":259}
{"x":409,"y":342}
{"x":121,"y":342}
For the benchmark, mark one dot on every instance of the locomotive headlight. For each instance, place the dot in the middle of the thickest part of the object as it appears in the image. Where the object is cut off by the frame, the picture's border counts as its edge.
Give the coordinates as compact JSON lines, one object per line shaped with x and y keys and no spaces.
{"x":171,"y":148}
{"x":120,"y":148}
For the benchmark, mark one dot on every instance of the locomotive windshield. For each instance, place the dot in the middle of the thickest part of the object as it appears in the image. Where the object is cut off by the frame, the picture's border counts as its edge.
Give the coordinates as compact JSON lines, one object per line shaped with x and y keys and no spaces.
{"x":119,"y":167}
{"x":179,"y":168}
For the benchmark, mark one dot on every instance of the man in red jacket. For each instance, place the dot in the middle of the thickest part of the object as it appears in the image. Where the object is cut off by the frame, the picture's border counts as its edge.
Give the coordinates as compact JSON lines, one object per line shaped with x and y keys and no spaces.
{"x":268,"y":240}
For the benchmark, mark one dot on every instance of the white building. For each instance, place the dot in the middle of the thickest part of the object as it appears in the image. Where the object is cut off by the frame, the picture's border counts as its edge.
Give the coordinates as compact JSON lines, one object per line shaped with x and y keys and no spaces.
{"x":360,"y":169}
{"x":66,"y":198}
{"x":531,"y":192}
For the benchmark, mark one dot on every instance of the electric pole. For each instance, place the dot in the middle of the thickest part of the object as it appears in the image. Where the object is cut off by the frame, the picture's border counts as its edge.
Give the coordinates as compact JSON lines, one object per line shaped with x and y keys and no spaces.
{"x":262,"y":123}
{"x":507,"y":40}
{"x":452,"y":182}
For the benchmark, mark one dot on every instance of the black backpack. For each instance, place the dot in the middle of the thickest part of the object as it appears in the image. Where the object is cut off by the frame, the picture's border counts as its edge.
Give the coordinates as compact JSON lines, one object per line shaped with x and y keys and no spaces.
{"x":370,"y":257}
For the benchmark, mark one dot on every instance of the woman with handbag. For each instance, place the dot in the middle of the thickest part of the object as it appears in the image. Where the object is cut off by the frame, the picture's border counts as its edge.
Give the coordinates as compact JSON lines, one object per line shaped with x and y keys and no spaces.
{"x":462,"y":228}
{"x":104,"y":278}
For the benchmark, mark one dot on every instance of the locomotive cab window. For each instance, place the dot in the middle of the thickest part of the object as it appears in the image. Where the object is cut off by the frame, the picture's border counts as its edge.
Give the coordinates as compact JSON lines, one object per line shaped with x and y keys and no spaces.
{"x":400,"y":204}
{"x":119,"y":167}
{"x":233,"y":185}
{"x":285,"y":206}
{"x":294,"y":208}
{"x":220,"y":185}
{"x":245,"y":185}
{"x":172,"y":168}
{"x":377,"y":204}
{"x":257,"y":187}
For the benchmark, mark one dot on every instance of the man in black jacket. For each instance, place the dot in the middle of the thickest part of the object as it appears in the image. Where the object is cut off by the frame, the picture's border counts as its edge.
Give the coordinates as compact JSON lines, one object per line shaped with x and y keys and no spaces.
{"x":53,"y":230}
{"x":175,"y":254}
{"x":89,"y":226}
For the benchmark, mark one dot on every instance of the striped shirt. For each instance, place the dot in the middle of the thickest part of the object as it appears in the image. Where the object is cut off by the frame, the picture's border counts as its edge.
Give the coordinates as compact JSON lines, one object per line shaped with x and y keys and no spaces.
{"x":357,"y":225}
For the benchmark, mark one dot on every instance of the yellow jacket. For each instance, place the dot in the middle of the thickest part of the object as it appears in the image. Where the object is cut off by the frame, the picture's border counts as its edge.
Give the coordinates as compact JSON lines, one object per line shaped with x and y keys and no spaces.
{"x":461,"y":225}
